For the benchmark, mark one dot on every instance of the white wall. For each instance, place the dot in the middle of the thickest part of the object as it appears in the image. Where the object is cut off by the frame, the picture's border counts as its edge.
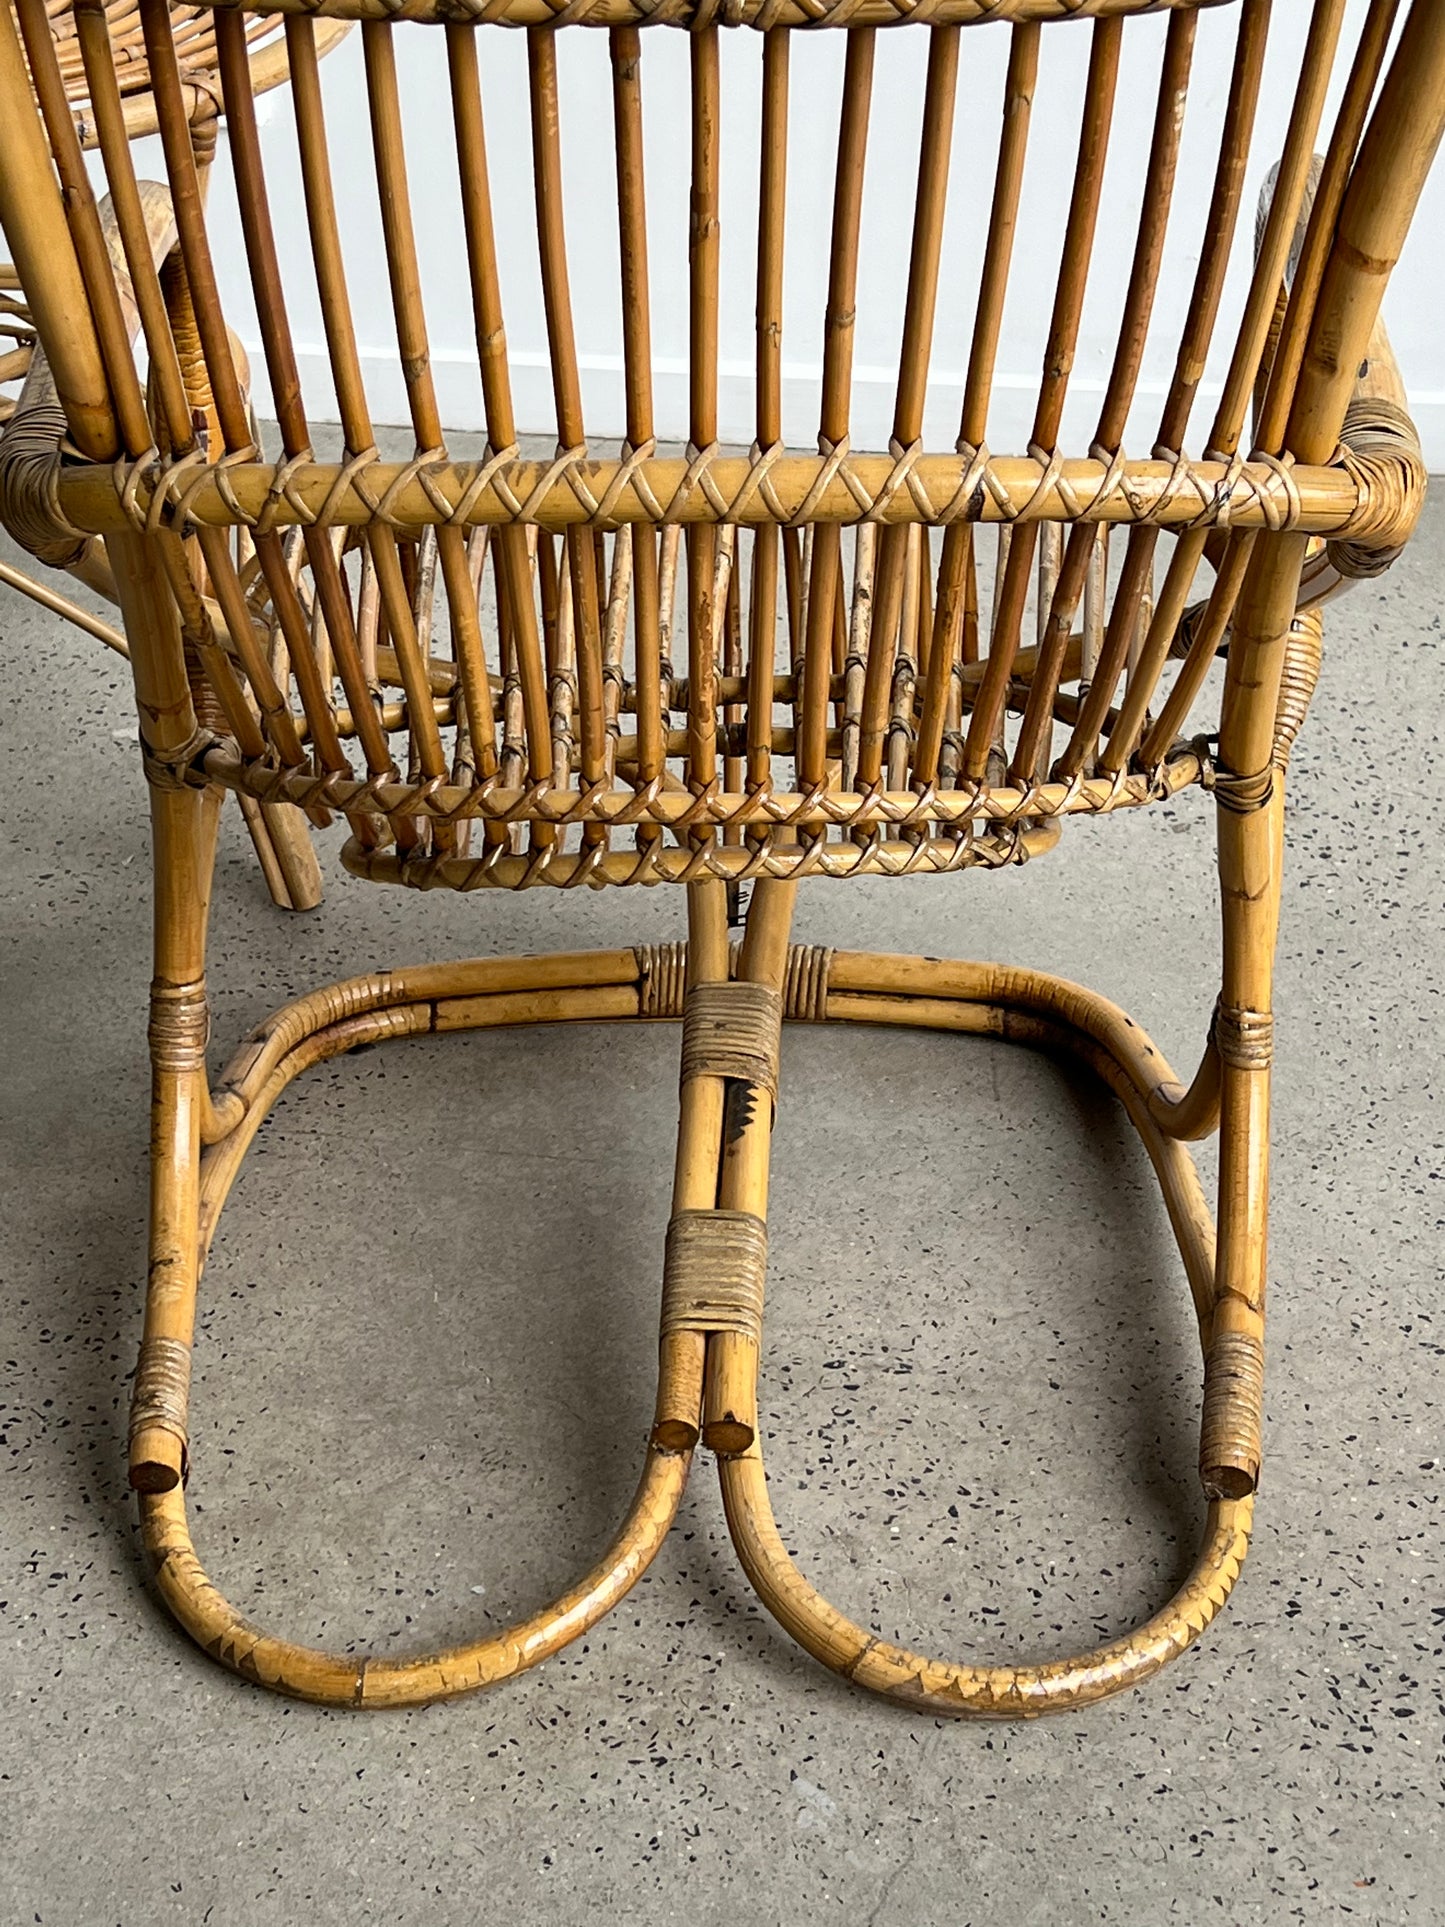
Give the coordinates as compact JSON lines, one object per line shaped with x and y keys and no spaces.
{"x":1414,"y":306}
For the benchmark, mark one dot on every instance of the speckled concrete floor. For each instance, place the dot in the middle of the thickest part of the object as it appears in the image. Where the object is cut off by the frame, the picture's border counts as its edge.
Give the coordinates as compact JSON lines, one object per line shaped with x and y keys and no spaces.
{"x":423,"y":1378}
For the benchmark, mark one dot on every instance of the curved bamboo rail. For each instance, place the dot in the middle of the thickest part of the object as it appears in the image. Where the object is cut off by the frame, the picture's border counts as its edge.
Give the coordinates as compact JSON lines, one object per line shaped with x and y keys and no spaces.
{"x":1019,"y":1006}
{"x":311,"y":1031}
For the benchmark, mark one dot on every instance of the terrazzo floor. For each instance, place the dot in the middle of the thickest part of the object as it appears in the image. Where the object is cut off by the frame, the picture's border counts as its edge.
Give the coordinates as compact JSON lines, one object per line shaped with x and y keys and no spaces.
{"x":424,"y":1375}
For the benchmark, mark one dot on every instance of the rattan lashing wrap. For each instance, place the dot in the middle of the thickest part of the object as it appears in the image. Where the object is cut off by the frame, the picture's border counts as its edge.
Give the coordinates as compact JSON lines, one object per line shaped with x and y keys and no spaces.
{"x":662,"y":980}
{"x":161,"y":1392}
{"x":713,"y":1273}
{"x":1380,"y":447}
{"x":1230,"y":1440}
{"x":731,"y":1030}
{"x":1244,"y":1038}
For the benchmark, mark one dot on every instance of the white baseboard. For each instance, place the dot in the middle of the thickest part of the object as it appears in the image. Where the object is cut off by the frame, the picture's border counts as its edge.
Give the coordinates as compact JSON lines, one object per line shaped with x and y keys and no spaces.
{"x":459,"y":398}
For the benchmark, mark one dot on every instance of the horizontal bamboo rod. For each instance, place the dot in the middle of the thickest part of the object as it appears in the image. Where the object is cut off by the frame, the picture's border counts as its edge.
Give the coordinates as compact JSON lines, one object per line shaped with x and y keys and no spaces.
{"x":796,"y":488}
{"x":760,"y":14}
{"x":621,"y":807}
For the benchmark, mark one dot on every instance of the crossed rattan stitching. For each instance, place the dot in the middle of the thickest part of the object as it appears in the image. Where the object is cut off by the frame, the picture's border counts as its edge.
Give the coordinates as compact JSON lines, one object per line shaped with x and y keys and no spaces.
{"x":1261,"y":492}
{"x":707,"y":809}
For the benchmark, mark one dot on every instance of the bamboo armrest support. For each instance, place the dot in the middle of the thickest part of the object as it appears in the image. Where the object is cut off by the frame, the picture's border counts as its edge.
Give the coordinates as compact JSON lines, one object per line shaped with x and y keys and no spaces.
{"x":32,"y":447}
{"x":1378,"y":440}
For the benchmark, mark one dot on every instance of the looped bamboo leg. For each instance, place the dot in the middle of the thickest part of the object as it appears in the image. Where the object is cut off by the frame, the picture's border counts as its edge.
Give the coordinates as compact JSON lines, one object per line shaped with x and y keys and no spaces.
{"x":191,"y":1188}
{"x":1022,"y":1006}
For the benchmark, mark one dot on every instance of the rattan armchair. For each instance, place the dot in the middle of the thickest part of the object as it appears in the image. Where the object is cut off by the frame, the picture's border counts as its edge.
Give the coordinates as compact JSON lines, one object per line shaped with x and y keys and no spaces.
{"x":723,"y":668}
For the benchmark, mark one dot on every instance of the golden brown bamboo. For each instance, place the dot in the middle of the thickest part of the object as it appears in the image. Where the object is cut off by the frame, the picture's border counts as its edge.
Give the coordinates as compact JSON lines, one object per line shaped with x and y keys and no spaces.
{"x":34,"y":224}
{"x":284,"y":376}
{"x":1272,"y":254}
{"x":1323,"y":500}
{"x":514,"y":588}
{"x":1395,"y":157}
{"x":746,"y":13}
{"x":92,"y":253}
{"x":1138,"y":309}
{"x":730,"y":1395}
{"x":838,"y":329}
{"x":566,"y":382}
{"x":1304,"y":282}
{"x":1124,"y":641}
{"x":983,"y":726}
{"x":626,"y":52}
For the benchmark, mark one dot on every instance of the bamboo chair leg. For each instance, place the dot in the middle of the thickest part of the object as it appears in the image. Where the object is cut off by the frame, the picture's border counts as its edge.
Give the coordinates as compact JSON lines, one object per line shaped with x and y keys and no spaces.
{"x":1028,"y":1007}
{"x":190,"y":1186}
{"x":282,"y":842}
{"x":184,"y":823}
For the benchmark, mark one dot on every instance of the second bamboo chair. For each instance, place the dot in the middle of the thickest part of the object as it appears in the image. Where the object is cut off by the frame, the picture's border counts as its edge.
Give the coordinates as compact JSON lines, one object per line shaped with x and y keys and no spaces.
{"x":616,"y":666}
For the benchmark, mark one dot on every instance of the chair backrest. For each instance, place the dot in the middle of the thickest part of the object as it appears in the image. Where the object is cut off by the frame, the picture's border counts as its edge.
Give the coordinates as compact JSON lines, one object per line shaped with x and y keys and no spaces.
{"x":607,"y":689}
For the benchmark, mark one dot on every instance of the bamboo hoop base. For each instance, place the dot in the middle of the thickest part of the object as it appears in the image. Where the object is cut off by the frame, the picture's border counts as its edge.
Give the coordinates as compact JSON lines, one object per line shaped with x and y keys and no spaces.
{"x":707,"y":1381}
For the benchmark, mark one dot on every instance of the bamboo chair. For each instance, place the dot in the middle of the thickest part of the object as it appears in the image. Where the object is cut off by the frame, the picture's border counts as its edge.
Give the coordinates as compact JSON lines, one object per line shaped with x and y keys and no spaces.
{"x":606,"y":702}
{"x":277,"y":831}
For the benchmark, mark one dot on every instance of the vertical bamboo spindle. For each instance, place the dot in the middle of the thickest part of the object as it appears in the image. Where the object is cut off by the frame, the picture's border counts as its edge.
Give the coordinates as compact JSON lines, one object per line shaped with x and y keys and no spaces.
{"x":516,"y":606}
{"x":703,"y":247}
{"x":1147,"y":634}
{"x":333,"y":602}
{"x":1271,"y":260}
{"x":231,"y":411}
{"x":1031,"y":754}
{"x":567,"y":390}
{"x":772,"y":201}
{"x":34,"y":223}
{"x":838,"y":331}
{"x":979,"y":745}
{"x":626,"y":51}
{"x":920,"y":307}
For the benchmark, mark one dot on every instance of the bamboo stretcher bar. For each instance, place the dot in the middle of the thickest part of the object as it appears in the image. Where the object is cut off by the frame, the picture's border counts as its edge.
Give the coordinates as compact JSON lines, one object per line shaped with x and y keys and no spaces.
{"x":739,"y":13}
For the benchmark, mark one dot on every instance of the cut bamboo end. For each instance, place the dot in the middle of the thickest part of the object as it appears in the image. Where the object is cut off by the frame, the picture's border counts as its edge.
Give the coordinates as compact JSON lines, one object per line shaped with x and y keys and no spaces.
{"x":157,"y":1461}
{"x":1230,"y":1435}
{"x":730,"y":1404}
{"x":681,"y":1365}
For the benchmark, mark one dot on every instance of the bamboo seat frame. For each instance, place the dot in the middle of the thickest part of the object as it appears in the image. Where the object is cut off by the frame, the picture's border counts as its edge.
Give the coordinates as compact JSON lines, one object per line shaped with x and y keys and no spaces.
{"x":282,"y":618}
